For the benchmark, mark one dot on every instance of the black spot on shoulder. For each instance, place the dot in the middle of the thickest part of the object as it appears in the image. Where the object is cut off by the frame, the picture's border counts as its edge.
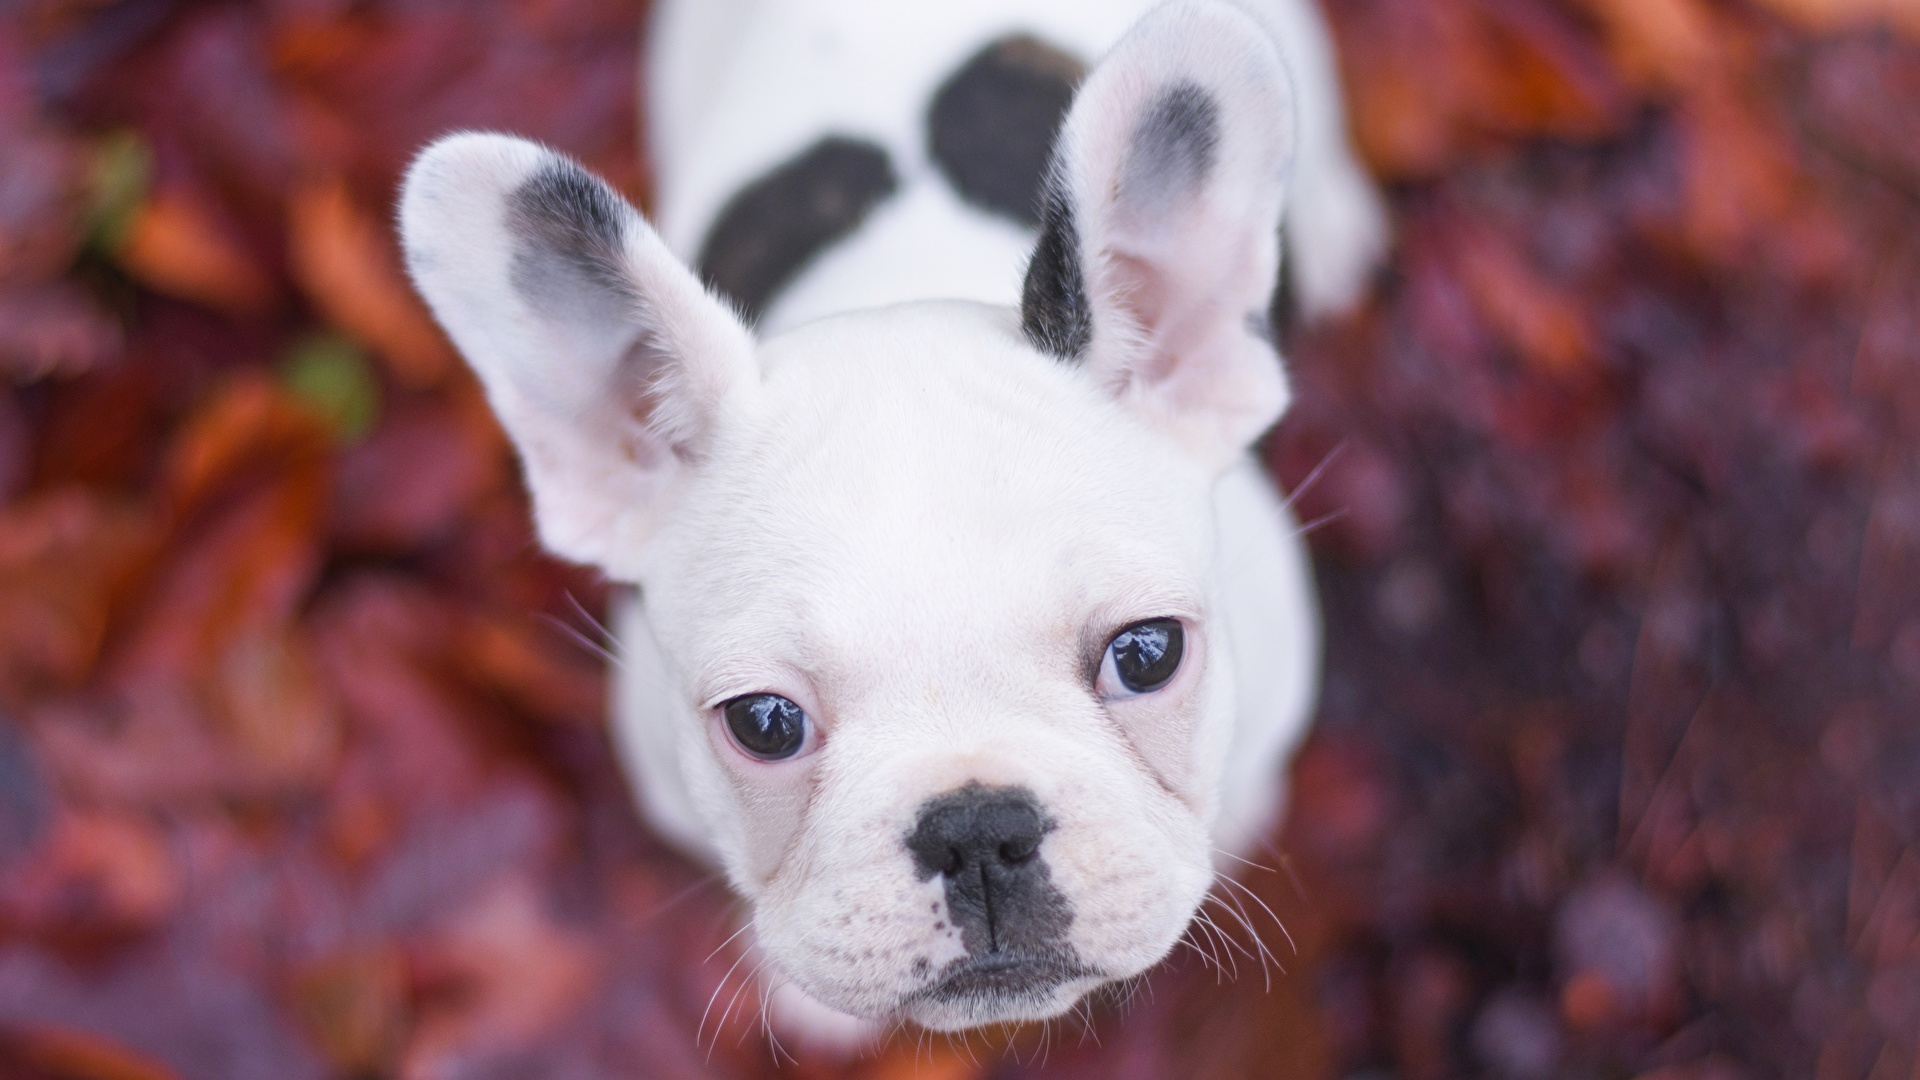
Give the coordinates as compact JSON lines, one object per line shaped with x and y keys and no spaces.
{"x":1055,"y":313}
{"x":768,"y":231}
{"x":992,"y":123}
{"x":1174,"y":147}
{"x":571,"y":229}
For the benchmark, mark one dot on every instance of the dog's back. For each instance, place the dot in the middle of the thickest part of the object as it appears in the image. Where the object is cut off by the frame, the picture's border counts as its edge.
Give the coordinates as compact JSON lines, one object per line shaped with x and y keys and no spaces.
{"x":819,"y":156}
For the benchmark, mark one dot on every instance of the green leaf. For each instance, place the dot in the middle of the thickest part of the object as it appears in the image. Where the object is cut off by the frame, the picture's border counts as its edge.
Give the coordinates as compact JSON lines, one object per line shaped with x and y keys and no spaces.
{"x":122,"y":174}
{"x":332,"y":374}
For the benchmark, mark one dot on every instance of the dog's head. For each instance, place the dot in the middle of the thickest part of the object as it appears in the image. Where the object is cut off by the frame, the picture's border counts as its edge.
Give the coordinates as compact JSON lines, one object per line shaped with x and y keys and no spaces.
{"x":932,"y":586}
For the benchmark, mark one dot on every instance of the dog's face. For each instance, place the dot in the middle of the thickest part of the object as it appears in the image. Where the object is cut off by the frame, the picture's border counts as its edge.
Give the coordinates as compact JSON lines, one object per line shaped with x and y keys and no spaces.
{"x":931,"y":586}
{"x":940,"y":610}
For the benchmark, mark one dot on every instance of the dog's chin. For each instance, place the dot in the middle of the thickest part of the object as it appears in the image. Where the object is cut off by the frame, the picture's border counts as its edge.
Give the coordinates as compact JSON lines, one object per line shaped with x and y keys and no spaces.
{"x":1002,"y":988}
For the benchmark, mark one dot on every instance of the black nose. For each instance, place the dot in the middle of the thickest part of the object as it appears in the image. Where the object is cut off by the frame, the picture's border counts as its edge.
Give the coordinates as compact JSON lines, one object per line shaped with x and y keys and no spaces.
{"x":986,"y":843}
{"x":974,"y":827}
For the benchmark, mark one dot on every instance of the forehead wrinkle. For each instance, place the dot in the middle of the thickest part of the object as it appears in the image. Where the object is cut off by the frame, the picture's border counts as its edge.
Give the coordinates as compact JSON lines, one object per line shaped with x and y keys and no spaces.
{"x":898,"y":492}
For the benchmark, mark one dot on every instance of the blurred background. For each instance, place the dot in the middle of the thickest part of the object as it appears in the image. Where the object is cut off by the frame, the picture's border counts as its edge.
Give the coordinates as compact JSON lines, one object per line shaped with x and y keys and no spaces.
{"x":1616,"y":497}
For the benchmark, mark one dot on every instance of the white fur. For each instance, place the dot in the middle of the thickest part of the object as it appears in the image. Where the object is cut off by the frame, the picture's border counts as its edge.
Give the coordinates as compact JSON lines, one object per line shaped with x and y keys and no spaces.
{"x":906,"y":518}
{"x":736,"y":86}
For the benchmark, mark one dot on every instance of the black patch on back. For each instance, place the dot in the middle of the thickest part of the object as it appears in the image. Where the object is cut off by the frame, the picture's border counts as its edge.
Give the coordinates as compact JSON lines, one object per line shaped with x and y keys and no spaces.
{"x":992,"y":123}
{"x":1054,"y":311}
{"x":768,"y":231}
{"x":572,"y":229}
{"x":1174,"y":147}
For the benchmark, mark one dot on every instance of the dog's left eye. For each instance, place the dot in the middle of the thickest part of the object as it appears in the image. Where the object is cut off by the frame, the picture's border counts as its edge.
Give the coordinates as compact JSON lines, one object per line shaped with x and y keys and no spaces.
{"x":1142,"y":658}
{"x":766,"y":726}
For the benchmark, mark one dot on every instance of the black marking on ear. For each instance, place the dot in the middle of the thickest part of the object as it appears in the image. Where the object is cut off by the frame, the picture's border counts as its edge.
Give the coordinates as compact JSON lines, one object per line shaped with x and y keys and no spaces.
{"x":1055,"y":313}
{"x":772,"y":227}
{"x":1175,"y":145}
{"x":572,"y":232}
{"x":1260,"y":325}
{"x":992,"y":123}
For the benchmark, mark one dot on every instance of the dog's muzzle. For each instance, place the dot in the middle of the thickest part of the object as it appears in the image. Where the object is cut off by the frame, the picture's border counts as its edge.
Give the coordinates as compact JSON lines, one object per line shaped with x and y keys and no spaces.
{"x":985,"y":844}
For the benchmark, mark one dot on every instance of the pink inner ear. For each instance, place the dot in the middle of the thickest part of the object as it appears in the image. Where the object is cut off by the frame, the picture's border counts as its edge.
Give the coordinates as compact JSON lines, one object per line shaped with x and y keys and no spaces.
{"x":1181,"y":287}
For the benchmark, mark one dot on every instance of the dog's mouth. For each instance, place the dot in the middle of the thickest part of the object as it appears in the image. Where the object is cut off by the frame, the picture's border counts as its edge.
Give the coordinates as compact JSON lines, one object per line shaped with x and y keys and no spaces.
{"x":1002,"y":977}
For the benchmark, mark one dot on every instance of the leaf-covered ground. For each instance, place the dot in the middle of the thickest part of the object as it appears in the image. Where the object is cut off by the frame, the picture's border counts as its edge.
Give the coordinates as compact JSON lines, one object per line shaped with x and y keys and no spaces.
{"x":1616,"y":485}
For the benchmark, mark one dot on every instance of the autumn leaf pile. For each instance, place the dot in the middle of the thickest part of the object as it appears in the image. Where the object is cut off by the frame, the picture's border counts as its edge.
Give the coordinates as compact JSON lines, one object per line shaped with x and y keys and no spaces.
{"x":1615,"y":491}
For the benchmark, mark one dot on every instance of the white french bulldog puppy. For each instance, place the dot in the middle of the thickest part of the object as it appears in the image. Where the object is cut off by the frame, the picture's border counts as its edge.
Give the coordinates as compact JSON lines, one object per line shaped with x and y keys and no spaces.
{"x":969,"y":634}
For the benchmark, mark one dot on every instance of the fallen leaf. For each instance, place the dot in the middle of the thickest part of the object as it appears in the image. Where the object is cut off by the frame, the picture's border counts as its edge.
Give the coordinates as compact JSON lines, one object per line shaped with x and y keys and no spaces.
{"x":41,"y":204}
{"x":1429,"y":80}
{"x":49,"y":1053}
{"x":343,"y":258}
{"x":355,"y":1004}
{"x":418,"y":478}
{"x":917,"y":1062}
{"x":1827,"y":16}
{"x":1664,"y":44}
{"x":1545,"y":325}
{"x":536,"y":668}
{"x":174,"y":245}
{"x":244,"y":428}
{"x":54,"y":330}
{"x":508,"y":975}
{"x":66,"y":558}
{"x":96,"y":873}
{"x":331,"y":374}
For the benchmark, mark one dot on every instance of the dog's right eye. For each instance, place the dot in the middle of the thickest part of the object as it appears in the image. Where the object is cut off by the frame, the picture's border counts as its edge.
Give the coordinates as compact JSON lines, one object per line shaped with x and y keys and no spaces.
{"x":1142,"y":658}
{"x":766,"y":726}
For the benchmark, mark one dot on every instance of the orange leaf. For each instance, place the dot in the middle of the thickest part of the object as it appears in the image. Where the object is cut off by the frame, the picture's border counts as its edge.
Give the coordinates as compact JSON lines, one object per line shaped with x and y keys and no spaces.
{"x":98,"y":871}
{"x":1827,"y":16}
{"x":1667,"y":43}
{"x":342,"y":258}
{"x":1545,"y":326}
{"x":64,"y":559}
{"x":1429,"y":79}
{"x":1741,"y":176}
{"x":174,"y":246}
{"x":518,"y":974}
{"x":77,"y":1055}
{"x":911,"y":1061}
{"x":246,"y":424}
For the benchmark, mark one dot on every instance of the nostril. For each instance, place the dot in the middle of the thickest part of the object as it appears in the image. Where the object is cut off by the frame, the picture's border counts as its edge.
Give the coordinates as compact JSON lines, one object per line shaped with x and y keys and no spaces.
{"x":967,"y":832}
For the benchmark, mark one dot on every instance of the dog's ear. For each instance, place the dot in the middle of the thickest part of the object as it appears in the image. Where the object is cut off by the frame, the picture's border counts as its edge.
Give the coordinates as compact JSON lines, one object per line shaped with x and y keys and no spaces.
{"x":605,"y":359}
{"x":1160,"y":232}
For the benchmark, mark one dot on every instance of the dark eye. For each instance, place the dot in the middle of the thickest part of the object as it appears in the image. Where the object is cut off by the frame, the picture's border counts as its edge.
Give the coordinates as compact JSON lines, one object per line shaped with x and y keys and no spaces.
{"x":766,"y":726}
{"x":1145,"y":655}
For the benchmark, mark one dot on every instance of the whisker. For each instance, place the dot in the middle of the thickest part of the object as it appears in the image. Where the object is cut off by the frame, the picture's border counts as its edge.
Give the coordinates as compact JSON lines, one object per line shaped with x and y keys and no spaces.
{"x":1275,"y":916}
{"x":1232,"y":944}
{"x":1212,"y":950}
{"x":744,"y":927}
{"x":1243,"y":861}
{"x":1313,"y":477}
{"x":698,"y":1032}
{"x":732,"y":1001}
{"x":613,"y":640}
{"x":1322,"y":520}
{"x":680,"y":897}
{"x":1239,"y":914}
{"x":582,"y":640}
